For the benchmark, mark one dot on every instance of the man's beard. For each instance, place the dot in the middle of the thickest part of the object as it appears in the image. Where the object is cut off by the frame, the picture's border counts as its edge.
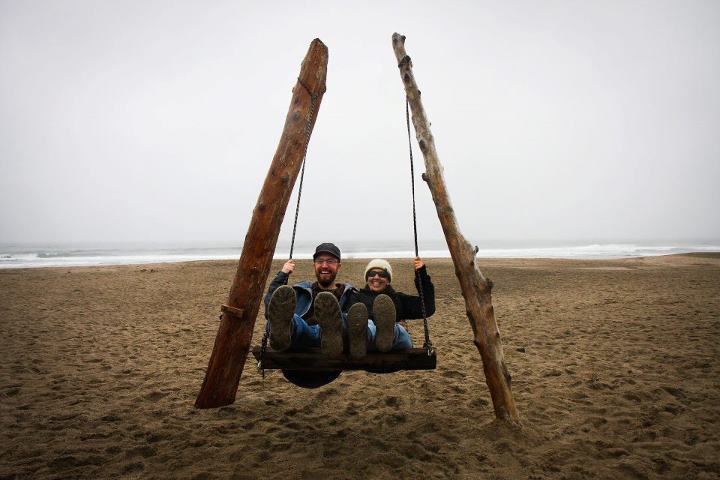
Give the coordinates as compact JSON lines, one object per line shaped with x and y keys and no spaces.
{"x":326,"y":282}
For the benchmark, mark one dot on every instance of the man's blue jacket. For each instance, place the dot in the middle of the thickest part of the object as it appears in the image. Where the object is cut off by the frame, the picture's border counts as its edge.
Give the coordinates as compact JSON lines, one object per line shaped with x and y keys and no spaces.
{"x":303,"y":293}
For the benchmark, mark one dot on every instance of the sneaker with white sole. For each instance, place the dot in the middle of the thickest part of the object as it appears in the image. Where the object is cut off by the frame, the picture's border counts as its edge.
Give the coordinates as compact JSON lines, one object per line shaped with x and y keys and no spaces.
{"x":357,"y":319}
{"x":327,"y":315}
{"x":384,"y":317}
{"x":280,"y":315}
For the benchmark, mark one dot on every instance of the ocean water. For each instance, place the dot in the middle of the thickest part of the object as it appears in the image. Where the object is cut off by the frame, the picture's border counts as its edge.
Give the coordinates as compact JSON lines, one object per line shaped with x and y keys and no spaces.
{"x":32,"y":256}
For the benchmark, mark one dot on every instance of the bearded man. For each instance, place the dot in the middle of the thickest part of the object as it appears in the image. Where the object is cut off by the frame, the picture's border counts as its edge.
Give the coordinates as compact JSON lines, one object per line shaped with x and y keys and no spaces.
{"x":309,"y":314}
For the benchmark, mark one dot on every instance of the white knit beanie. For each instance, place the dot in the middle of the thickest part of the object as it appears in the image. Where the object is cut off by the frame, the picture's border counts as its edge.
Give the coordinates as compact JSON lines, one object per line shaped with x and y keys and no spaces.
{"x":381,"y":264}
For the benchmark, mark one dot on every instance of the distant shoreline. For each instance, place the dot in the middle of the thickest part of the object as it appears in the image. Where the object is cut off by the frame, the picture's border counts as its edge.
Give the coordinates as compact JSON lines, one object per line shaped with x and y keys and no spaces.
{"x":150,"y":263}
{"x":79,"y":255}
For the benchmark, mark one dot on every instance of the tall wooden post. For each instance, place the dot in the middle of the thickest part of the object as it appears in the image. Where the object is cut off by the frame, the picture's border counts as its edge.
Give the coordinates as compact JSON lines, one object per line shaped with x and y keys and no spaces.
{"x":238,"y":316}
{"x":476,"y":289}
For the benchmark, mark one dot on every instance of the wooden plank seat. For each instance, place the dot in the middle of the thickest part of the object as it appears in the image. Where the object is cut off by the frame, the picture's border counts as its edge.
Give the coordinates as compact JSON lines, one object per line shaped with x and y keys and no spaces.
{"x":312,"y":360}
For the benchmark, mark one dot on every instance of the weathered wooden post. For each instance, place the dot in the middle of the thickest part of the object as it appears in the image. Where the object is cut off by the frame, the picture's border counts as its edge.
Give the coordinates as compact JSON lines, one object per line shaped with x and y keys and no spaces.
{"x":476,"y":289}
{"x":238,"y":315}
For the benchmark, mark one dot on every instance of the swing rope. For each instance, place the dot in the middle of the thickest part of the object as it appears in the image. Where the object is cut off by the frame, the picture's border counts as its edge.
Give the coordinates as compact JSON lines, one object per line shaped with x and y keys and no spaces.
{"x":308,"y":128}
{"x":428,"y":344}
{"x":308,"y":131}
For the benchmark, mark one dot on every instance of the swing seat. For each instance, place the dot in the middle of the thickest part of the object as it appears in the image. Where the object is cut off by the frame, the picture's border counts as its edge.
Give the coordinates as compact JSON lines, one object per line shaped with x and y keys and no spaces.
{"x":312,"y":360}
{"x":311,"y":369}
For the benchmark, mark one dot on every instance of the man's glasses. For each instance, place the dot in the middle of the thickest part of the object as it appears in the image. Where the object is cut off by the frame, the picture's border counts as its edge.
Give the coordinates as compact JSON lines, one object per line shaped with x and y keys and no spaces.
{"x":328,"y":261}
{"x":381,"y":273}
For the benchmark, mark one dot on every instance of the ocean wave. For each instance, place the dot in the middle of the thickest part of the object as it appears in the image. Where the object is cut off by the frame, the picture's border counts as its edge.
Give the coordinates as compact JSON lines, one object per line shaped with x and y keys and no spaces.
{"x":50,"y":257}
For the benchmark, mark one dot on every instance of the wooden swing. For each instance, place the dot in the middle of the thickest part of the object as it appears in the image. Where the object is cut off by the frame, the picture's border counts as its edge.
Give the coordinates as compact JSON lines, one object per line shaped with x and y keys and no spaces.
{"x":233,"y":339}
{"x":312,"y":360}
{"x":311,"y":368}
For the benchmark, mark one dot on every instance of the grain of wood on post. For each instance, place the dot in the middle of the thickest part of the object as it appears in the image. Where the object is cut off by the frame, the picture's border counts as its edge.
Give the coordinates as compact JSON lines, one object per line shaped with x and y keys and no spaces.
{"x":232,"y":342}
{"x":476,"y":289}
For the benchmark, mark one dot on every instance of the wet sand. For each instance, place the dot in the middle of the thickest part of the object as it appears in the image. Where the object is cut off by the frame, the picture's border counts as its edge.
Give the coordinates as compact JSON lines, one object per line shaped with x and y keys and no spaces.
{"x":615,"y":365}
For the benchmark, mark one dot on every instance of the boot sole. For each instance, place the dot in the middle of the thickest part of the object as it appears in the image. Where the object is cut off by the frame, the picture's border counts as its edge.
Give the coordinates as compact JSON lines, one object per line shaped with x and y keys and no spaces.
{"x":327,"y":314}
{"x":280,"y":314}
{"x":384,"y":317}
{"x":357,"y":326}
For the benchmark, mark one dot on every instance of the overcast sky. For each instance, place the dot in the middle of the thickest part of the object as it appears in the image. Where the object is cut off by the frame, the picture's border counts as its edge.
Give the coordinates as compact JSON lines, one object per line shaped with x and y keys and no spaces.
{"x":554,"y":120}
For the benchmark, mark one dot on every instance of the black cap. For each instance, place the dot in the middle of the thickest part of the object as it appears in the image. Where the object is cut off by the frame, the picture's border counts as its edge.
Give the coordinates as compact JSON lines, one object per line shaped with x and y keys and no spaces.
{"x":330,"y":248}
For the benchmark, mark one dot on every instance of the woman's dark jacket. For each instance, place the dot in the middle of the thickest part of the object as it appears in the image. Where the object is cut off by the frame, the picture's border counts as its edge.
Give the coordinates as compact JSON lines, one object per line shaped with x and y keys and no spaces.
{"x":407,"y":306}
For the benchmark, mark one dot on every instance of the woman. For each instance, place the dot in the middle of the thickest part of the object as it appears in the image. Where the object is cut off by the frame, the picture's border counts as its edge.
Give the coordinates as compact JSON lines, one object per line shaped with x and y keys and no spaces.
{"x":387,"y":309}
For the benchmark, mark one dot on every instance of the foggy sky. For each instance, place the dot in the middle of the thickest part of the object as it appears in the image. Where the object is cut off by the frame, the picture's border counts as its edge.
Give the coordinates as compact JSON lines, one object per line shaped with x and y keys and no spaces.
{"x":554,"y":120}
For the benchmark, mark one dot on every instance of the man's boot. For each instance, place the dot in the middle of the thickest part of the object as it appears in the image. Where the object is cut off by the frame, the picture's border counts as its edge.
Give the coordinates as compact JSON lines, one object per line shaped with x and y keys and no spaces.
{"x":280,"y":315}
{"x":327,"y":314}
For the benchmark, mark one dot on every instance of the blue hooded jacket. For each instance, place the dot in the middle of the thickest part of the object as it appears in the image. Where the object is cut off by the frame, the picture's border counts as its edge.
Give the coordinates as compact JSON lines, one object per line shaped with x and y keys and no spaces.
{"x":303,"y":294}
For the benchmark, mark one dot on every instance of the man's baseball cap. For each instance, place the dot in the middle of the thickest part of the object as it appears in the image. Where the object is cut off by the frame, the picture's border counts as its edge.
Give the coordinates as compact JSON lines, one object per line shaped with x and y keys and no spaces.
{"x":330,"y":248}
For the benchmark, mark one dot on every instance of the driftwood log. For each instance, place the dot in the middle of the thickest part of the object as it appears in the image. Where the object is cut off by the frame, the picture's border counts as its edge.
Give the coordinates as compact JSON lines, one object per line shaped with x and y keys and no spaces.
{"x":232,"y":342}
{"x":476,"y":289}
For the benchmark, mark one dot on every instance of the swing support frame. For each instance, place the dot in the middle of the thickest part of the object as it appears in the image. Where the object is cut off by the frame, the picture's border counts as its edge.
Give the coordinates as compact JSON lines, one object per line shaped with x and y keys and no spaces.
{"x":234,"y":336}
{"x":476,"y":289}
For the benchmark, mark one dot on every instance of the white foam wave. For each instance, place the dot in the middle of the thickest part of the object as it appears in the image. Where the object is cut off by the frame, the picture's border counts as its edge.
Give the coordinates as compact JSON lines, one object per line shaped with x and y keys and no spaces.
{"x":33,"y":258}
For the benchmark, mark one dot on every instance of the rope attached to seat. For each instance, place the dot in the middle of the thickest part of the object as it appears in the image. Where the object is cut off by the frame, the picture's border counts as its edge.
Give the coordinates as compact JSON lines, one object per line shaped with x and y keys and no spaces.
{"x":308,"y":131}
{"x":428,"y":344}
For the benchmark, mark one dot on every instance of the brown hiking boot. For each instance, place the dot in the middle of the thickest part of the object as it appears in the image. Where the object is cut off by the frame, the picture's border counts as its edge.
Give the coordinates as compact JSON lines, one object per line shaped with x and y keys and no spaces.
{"x":327,"y":314}
{"x":357,"y":319}
{"x":384,"y":317}
{"x":280,"y":315}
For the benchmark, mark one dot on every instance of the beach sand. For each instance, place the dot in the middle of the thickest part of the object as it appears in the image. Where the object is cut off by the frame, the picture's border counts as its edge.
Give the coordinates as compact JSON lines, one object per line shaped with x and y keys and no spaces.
{"x":615,"y":370}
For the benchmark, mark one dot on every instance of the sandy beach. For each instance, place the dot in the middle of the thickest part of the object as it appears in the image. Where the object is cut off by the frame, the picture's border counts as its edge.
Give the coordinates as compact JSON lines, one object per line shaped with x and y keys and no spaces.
{"x":615,"y":366}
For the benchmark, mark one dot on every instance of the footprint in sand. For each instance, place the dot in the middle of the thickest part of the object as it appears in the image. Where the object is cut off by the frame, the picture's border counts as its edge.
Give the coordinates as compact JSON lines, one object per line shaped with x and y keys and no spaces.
{"x":154,"y":396}
{"x":11,"y":392}
{"x":144,"y":451}
{"x":675,"y":392}
{"x":452,"y":374}
{"x":133,"y":468}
